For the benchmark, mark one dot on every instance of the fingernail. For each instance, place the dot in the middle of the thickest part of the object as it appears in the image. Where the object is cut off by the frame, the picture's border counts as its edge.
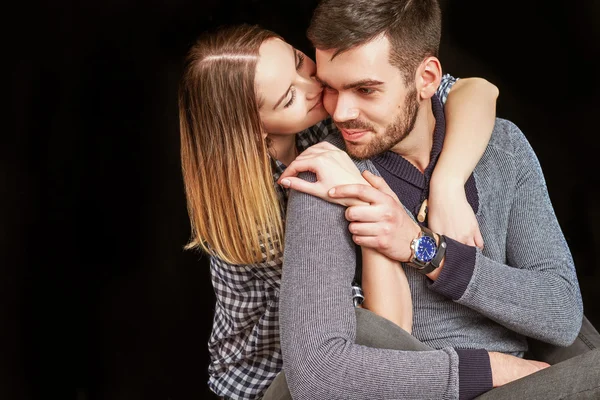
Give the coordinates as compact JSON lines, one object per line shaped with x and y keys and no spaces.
{"x":285,"y":183}
{"x":331,"y":191}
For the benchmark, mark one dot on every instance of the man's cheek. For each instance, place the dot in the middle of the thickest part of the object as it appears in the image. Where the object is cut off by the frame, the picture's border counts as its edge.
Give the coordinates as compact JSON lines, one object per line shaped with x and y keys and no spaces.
{"x":329,"y":102}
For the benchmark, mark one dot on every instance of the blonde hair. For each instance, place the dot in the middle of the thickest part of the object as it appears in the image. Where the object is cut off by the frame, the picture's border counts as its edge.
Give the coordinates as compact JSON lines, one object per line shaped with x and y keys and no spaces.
{"x":232,"y":205}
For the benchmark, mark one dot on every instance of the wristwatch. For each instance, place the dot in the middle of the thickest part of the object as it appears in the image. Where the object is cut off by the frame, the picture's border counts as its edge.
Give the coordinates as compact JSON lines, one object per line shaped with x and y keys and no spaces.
{"x":426,"y":253}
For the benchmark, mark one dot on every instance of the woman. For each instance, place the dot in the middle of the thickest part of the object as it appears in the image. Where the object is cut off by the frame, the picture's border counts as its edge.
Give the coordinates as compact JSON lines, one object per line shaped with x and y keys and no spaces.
{"x":248,"y":105}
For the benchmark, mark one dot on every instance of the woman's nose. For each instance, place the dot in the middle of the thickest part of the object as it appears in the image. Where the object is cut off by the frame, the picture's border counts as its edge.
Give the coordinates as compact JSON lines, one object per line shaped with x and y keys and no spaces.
{"x":313,"y":88}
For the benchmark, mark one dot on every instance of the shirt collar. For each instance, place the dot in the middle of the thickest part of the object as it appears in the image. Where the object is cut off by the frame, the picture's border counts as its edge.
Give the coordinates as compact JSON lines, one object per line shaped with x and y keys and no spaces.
{"x":400,"y":167}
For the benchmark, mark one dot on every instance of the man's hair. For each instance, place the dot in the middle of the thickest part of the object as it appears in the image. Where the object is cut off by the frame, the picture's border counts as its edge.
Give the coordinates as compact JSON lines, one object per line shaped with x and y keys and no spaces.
{"x":413,"y":28}
{"x":232,"y":204}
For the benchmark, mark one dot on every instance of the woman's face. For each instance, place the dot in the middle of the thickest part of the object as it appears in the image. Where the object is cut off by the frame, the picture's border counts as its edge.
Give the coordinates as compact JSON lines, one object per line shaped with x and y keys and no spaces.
{"x":291,"y":97}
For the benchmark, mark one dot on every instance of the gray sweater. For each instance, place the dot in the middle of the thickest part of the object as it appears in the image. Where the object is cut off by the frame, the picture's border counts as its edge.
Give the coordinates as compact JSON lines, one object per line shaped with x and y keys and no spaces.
{"x":523,"y":284}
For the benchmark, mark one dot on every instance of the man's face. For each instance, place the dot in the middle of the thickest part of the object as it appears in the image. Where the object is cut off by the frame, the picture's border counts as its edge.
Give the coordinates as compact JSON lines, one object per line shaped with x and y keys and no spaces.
{"x":367,"y":98}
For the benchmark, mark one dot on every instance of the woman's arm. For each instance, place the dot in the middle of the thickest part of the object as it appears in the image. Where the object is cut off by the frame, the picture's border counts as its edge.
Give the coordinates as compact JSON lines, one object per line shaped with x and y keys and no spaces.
{"x":470,"y":111}
{"x":386,"y":289}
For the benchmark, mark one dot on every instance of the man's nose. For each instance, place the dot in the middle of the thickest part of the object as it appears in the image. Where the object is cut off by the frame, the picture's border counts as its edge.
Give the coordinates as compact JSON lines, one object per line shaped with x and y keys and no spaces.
{"x":345,"y":109}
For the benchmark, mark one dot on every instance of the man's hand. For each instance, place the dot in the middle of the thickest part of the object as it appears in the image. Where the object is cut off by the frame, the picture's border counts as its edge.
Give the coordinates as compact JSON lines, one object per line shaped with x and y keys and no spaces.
{"x":331,"y":165}
{"x":382,"y":223}
{"x":507,"y":368}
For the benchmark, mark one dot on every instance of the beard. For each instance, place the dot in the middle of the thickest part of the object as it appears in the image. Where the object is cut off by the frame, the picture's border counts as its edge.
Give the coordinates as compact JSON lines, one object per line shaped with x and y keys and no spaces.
{"x":395,"y":132}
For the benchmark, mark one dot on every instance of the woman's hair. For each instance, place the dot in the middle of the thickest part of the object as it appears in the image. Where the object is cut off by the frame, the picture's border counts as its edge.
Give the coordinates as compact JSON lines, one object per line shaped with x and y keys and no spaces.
{"x":413,"y":27}
{"x":233,"y":208}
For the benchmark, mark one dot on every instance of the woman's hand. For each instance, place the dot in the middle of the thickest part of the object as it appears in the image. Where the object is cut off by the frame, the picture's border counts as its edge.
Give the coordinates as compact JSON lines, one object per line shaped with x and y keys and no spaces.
{"x":449,"y":213}
{"x":332,"y":167}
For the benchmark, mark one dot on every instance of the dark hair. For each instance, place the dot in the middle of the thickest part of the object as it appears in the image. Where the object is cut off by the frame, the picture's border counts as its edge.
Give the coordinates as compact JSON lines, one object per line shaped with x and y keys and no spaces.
{"x":413,"y":28}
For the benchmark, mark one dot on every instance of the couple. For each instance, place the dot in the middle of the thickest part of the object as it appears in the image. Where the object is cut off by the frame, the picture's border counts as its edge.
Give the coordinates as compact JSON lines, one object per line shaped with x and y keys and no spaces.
{"x":473,"y":308}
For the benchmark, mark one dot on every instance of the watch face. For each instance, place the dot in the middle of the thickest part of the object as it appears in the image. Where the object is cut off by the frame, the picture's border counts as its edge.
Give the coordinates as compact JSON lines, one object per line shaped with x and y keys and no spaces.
{"x":425,"y":249}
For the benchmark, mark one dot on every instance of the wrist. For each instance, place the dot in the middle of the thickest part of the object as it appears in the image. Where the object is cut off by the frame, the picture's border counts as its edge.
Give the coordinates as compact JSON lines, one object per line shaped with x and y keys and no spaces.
{"x":446,"y":187}
{"x":433,"y":275}
{"x":428,"y":250}
{"x":446,"y":181}
{"x":416,"y":232}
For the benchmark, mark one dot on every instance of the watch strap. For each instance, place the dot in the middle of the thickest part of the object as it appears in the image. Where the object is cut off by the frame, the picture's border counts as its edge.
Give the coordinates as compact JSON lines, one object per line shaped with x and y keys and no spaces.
{"x":437,"y":259}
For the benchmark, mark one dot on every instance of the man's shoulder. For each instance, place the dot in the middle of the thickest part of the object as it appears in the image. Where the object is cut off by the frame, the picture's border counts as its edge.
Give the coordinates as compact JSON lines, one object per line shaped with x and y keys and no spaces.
{"x":506,"y":136}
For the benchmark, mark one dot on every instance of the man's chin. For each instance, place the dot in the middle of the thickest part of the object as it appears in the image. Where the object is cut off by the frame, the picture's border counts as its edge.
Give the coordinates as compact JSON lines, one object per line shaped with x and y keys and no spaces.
{"x":360,"y":152}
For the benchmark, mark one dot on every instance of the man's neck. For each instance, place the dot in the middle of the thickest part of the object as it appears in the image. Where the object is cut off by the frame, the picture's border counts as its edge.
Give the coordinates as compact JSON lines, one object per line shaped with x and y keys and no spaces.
{"x":416,"y":147}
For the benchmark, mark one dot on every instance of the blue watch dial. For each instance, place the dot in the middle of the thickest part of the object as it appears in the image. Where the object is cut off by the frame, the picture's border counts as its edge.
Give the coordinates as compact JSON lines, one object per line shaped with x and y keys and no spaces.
{"x":426,"y":249}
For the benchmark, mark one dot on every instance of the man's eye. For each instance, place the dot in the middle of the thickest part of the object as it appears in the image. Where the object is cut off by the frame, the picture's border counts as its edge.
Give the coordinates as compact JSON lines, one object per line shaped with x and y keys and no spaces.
{"x":366,"y":91}
{"x":329,"y":89}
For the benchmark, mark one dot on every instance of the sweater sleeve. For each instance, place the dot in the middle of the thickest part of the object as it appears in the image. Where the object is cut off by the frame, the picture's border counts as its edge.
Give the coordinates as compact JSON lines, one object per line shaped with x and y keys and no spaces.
{"x":535,"y":291}
{"x":318,"y":325}
{"x":445,"y":86}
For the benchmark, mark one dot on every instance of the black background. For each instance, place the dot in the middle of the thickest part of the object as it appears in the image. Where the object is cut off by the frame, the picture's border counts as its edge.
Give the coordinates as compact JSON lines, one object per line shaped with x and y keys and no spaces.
{"x":97,"y":298}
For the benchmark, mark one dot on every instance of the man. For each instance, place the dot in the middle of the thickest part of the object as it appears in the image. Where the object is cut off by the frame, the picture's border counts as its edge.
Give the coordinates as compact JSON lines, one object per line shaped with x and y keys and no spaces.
{"x":473,"y":309}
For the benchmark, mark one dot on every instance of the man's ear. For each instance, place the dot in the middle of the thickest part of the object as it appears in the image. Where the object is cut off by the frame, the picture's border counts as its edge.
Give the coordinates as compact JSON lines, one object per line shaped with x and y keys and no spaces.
{"x":428,"y":77}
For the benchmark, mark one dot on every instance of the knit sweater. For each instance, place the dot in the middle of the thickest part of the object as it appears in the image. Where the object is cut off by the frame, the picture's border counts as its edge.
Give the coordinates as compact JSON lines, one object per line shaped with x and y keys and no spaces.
{"x":522,"y":284}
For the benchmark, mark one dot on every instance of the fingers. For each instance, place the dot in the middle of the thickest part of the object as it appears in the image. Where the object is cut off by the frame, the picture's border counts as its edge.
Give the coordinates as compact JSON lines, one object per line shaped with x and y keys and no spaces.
{"x":478,"y":239}
{"x":364,"y":213}
{"x":379,"y":183}
{"x":300,"y":185}
{"x":468,"y":240}
{"x":318,"y":156}
{"x":365,"y":228}
{"x":324,"y":145}
{"x":296,"y":167}
{"x":372,"y":242}
{"x":310,"y":153}
{"x":365,"y":193}
{"x":319,"y":148}
{"x":539,"y":364}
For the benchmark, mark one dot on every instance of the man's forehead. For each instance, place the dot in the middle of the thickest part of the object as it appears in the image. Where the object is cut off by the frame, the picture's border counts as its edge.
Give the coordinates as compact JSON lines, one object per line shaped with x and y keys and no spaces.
{"x":368,"y":61}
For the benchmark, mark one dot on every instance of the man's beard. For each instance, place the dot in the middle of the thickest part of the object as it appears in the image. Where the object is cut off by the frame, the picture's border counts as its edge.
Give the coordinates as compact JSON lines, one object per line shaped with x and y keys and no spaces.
{"x":395,"y":132}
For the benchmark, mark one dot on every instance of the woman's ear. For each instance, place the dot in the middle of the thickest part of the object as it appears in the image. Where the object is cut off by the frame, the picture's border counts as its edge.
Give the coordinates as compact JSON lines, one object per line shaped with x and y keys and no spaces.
{"x":428,"y":77}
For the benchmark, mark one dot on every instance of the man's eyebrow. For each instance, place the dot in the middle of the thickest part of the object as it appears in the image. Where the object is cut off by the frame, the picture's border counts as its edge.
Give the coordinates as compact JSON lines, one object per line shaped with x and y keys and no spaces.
{"x":288,"y":90}
{"x":361,"y":83}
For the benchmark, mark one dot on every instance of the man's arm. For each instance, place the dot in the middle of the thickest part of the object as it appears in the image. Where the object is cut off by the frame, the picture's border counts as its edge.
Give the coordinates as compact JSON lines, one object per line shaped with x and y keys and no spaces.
{"x":318,"y":325}
{"x":535,"y":291}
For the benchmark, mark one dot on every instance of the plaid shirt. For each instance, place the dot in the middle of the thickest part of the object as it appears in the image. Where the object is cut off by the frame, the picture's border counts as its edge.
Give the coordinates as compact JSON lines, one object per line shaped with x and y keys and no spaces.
{"x":244,"y":343}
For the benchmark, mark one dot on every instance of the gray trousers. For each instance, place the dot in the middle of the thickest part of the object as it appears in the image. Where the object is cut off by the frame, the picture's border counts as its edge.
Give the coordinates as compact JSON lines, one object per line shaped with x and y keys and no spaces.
{"x":574,"y":371}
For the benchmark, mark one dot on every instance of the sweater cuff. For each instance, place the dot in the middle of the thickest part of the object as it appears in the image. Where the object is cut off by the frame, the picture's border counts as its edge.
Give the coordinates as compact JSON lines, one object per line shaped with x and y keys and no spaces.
{"x":474,"y":373}
{"x":457,"y":271}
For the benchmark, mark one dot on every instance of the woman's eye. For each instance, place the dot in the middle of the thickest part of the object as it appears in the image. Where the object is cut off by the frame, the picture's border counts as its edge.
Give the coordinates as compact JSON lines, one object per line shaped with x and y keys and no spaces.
{"x":291,"y":101}
{"x":300,"y":61}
